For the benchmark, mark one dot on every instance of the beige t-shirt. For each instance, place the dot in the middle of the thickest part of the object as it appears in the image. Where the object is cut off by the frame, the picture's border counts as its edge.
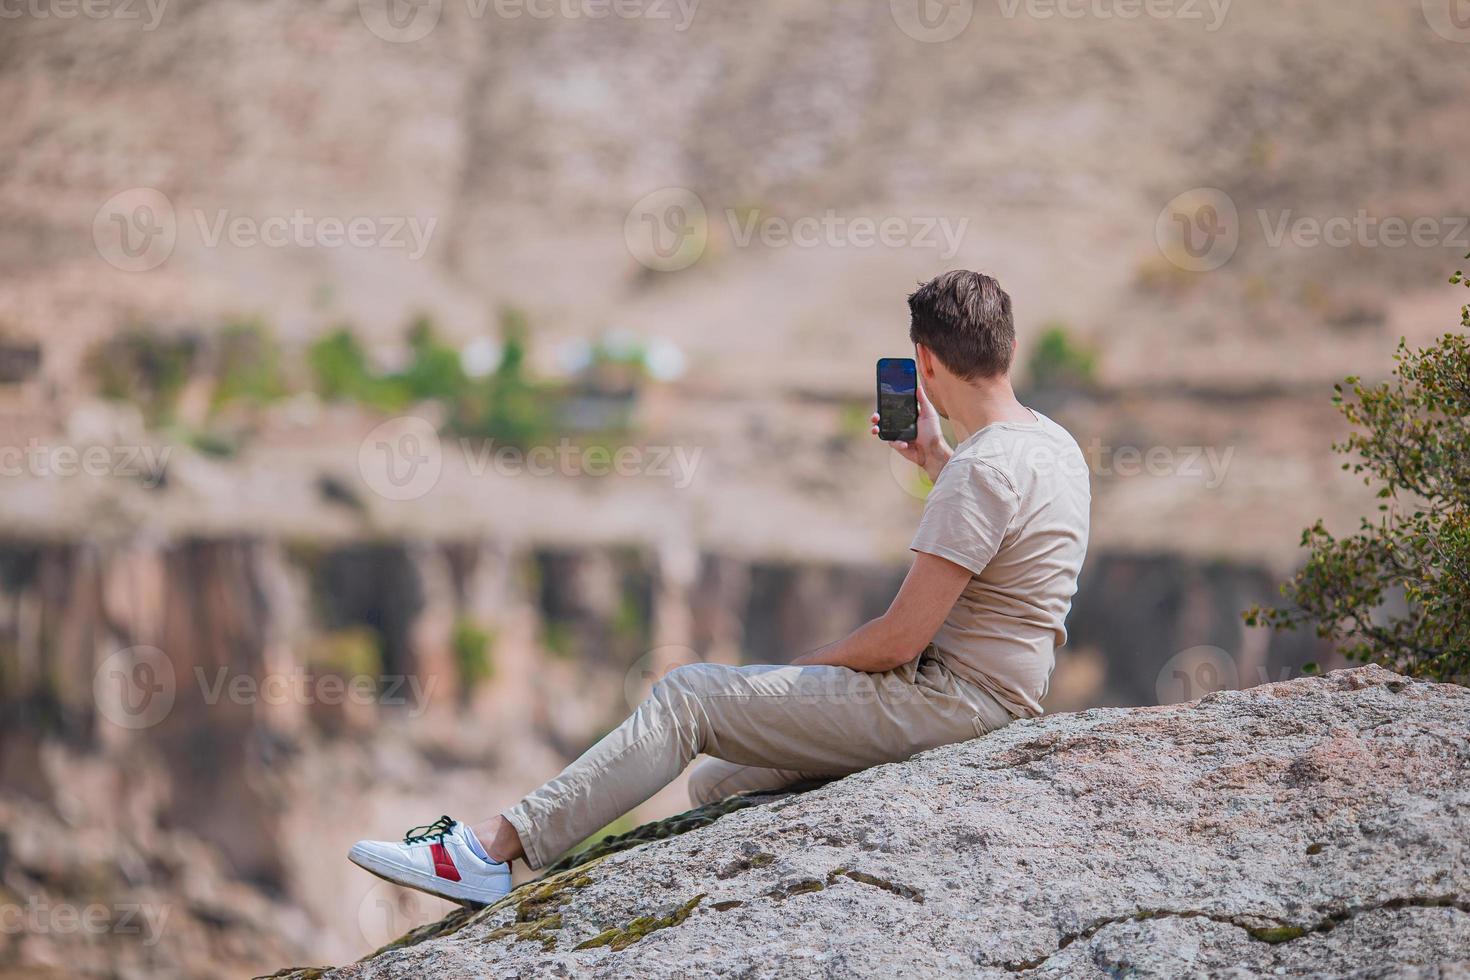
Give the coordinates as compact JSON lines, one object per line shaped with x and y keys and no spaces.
{"x":1012,"y":506}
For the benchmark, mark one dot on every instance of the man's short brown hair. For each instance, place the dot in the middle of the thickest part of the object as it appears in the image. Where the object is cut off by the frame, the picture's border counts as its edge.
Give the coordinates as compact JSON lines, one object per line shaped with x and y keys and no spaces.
{"x":964,"y":318}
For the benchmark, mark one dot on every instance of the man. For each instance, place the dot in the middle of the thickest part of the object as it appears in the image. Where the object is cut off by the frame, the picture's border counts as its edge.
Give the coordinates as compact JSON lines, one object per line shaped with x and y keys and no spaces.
{"x":966,"y":646}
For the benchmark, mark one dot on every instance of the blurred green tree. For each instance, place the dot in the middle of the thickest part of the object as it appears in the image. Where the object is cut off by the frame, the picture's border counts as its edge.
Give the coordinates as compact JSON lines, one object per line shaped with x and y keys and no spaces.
{"x":248,"y":366}
{"x":1057,"y":361}
{"x":342,"y":372}
{"x":510,"y":407}
{"x":147,"y":369}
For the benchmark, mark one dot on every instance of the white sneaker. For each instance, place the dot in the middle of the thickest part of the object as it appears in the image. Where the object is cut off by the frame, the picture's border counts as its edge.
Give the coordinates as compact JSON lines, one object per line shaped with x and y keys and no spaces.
{"x":442,"y":859}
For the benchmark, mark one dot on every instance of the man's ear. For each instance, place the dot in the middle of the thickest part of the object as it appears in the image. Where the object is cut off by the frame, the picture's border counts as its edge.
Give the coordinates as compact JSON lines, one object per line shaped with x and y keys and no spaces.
{"x":926,"y":360}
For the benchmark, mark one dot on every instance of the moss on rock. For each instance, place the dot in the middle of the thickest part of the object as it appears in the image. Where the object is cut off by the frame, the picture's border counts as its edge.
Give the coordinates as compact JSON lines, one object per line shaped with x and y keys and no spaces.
{"x":679,"y":823}
{"x":619,"y":938}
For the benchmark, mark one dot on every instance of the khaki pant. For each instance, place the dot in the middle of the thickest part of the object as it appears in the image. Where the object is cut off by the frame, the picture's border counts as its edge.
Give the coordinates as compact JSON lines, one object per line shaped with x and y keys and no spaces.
{"x":764,"y":726}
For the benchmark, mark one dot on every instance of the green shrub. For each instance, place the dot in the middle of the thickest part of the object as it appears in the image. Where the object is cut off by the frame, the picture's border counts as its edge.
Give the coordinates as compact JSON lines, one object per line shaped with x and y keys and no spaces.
{"x":1397,"y":592}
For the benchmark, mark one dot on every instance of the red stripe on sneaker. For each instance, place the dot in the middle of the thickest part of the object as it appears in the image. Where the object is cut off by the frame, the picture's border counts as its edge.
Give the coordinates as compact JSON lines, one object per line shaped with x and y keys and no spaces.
{"x":443,"y":863}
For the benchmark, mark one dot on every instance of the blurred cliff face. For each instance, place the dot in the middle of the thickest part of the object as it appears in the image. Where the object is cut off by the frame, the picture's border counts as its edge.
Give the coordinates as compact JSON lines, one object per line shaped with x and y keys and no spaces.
{"x":388,"y":393}
{"x":1205,"y":214}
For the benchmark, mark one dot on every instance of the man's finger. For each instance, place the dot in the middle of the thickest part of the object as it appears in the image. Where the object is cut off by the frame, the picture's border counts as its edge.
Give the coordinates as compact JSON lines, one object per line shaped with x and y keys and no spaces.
{"x":924,"y":404}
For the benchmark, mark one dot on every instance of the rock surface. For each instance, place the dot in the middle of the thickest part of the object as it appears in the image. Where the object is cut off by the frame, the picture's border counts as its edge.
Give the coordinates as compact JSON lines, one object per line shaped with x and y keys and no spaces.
{"x":1319,"y":826}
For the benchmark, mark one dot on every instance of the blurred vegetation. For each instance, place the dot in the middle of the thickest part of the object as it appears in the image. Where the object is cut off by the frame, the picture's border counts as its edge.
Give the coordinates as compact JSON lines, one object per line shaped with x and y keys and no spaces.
{"x":353,"y":651}
{"x":1161,"y":277}
{"x":340,"y":369}
{"x":509,"y":406}
{"x":1397,"y":592}
{"x":242,"y":369}
{"x":473,"y":655}
{"x":248,"y":367}
{"x":556,"y":637}
{"x":146,"y":369}
{"x":1058,"y":361}
{"x":854,"y":420}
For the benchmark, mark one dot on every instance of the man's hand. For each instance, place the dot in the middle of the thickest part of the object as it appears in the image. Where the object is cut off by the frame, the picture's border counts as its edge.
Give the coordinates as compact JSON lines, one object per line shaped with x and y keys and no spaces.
{"x":928,"y":451}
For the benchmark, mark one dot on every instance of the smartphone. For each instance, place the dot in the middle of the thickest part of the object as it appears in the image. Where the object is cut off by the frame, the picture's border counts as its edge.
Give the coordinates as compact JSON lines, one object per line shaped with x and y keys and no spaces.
{"x":898,"y":399}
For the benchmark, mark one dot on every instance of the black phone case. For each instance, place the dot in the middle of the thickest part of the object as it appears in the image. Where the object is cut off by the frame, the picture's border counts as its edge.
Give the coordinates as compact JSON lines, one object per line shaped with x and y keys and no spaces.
{"x":885,"y":432}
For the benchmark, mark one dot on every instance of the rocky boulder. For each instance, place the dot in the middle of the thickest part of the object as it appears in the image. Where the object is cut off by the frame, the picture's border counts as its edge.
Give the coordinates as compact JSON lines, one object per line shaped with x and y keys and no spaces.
{"x":1319,"y":826}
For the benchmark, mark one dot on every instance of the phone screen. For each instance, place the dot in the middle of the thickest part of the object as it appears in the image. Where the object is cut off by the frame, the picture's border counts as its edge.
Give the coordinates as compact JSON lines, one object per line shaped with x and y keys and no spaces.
{"x":898,"y":399}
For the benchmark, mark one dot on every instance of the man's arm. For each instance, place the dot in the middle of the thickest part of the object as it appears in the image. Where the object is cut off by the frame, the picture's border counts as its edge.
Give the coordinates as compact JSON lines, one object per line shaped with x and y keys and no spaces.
{"x":901,"y":634}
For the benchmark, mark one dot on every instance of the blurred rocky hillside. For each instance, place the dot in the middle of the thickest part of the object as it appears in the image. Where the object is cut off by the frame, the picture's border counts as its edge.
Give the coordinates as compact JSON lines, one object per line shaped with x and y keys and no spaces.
{"x":223,"y":226}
